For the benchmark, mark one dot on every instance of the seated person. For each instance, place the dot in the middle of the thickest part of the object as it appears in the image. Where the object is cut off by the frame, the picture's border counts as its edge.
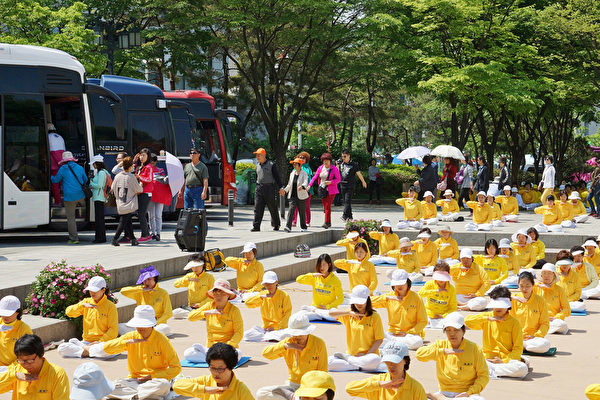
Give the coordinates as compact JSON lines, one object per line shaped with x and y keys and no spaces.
{"x":568,"y":280}
{"x":482,"y":214}
{"x":588,"y":278}
{"x":327,"y":289}
{"x":552,"y":217}
{"x":509,"y":258}
{"x":592,"y":392}
{"x":413,"y":210}
{"x":566,"y":210}
{"x":471,"y":282}
{"x":579,"y":215}
{"x":449,"y":207}
{"x":361,"y":271}
{"x":426,"y":250}
{"x":407,"y":260}
{"x":592,"y":253}
{"x":249,"y":271}
{"x":447,"y":246}
{"x":508,"y":205}
{"x":494,"y":266}
{"x":524,"y":252}
{"x":496,"y":213}
{"x":350,"y":241}
{"x":316,"y":385}
{"x":555,"y":298}
{"x":11,"y":329}
{"x":429,"y":209}
{"x":538,"y":246}
{"x":198,"y":282}
{"x":387,"y":239}
{"x":439,"y":295}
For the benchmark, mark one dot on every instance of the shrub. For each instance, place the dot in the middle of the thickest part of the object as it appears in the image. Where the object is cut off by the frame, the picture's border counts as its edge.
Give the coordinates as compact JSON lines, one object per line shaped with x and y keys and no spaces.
{"x":243,"y":167}
{"x":364,"y":226}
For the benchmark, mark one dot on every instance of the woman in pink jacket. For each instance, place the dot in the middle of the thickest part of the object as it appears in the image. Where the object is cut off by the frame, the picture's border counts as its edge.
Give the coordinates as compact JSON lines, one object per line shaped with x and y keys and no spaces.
{"x":327,"y":177}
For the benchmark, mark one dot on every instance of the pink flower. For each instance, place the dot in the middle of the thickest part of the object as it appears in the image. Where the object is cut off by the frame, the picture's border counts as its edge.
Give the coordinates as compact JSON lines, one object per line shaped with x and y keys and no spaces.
{"x":62,"y":296}
{"x":52,"y":314}
{"x":52,"y":301}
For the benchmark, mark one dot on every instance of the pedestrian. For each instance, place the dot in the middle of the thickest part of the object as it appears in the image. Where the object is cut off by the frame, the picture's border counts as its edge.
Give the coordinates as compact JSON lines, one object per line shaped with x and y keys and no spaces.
{"x":145,"y":175}
{"x":327,"y":177}
{"x":119,"y":165}
{"x":97,"y":184}
{"x":449,"y":173}
{"x":297,"y":194}
{"x":465,"y":181}
{"x":126,"y":188}
{"x":11,"y":329}
{"x":349,"y":170}
{"x":196,"y":181}
{"x":428,"y":178}
{"x":548,"y":176}
{"x":73,"y":178}
{"x":89,"y":383}
{"x":267,"y":185}
{"x":504,"y":173}
{"x":305,"y":157}
{"x":483,"y":176}
{"x":56,"y":144}
{"x":375,"y":181}
{"x":593,"y":197}
{"x":161,"y":197}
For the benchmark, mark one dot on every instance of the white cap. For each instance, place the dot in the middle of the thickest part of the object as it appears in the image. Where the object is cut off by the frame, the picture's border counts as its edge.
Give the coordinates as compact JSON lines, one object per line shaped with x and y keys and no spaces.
{"x":96,"y":158}
{"x":248,"y":247}
{"x":574,"y":195}
{"x":590,"y":243}
{"x":454,"y":319}
{"x":504,"y":244}
{"x":507,"y":187}
{"x":423,"y":235}
{"x":514,"y":189}
{"x":405,"y":242}
{"x":193,"y":264}
{"x":501,"y":302}
{"x":466,"y":253}
{"x":352,"y":235}
{"x":515,"y":236}
{"x":9,"y":305}
{"x":89,"y":383}
{"x":270,"y":277}
{"x":564,"y":261}
{"x":549,"y":267}
{"x":399,"y":277}
{"x":386,"y":223}
{"x":427,"y":193}
{"x":448,"y":192}
{"x":360,"y":294}
{"x":143,"y":317}
{"x":577,"y":252}
{"x":441,"y":276}
{"x":394,"y":351}
{"x":299,"y":325}
{"x":482,"y":193}
{"x":445,"y":228}
{"x":95,"y":284}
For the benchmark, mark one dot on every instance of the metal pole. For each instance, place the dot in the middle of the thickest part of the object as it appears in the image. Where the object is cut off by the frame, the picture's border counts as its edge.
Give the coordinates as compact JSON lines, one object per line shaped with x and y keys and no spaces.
{"x":282,"y":206}
{"x":230,"y":207}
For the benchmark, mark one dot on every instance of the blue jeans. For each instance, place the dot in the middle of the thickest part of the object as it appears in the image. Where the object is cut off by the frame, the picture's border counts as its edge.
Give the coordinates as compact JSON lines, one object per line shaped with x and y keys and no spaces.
{"x":192,"y":198}
{"x":594,"y":197}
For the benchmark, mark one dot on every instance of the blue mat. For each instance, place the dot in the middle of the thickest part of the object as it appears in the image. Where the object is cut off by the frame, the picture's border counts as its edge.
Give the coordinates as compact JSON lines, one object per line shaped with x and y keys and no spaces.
{"x":365,"y":372}
{"x":384,"y":264}
{"x":579,"y":313}
{"x":549,"y":353}
{"x":325,"y":321}
{"x":190,"y":364}
{"x":412,"y":284}
{"x":511,"y":286}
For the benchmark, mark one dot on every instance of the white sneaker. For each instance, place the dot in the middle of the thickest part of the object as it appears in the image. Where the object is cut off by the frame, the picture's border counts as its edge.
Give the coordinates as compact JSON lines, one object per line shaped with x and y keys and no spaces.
{"x":303,"y":230}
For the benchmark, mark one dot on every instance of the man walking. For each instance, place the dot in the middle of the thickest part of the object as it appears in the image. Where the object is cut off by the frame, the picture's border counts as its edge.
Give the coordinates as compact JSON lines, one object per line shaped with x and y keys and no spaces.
{"x":268,"y":184}
{"x":196,"y":181}
{"x":349,"y":170}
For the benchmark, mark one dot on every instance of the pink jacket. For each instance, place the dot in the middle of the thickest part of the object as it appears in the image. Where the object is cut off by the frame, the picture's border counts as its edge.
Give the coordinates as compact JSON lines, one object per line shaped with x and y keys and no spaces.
{"x":334,"y":177}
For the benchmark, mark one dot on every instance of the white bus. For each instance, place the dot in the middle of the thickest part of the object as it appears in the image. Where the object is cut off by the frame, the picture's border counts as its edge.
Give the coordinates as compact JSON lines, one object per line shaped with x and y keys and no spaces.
{"x":39,"y":86}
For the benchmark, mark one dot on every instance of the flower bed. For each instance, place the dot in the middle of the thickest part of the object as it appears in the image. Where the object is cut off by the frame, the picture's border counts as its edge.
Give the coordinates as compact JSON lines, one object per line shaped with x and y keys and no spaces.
{"x":363,"y":227}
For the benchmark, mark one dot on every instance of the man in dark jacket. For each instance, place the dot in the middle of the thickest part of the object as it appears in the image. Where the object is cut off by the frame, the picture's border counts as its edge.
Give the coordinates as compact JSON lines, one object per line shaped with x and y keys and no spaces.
{"x":428,"y":178}
{"x":268,"y":184}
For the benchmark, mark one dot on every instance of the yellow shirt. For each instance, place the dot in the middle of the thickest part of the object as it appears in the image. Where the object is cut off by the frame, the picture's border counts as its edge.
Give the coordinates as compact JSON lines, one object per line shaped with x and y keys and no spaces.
{"x":99,"y":324}
{"x":524,"y":257}
{"x":429,"y":210}
{"x":226,"y":327}
{"x":448,"y":207}
{"x":556,"y":300}
{"x":594,"y":259}
{"x":566,"y":210}
{"x":408,"y":261}
{"x":511,"y":265}
{"x":194,"y":387}
{"x":588,"y":278}
{"x":349,"y":245}
{"x":461,"y":372}
{"x":249,"y":274}
{"x":369,"y":388}
{"x":407,"y":315}
{"x":447,"y":248}
{"x":362,"y":333}
{"x":532,"y":315}
{"x":196,"y":289}
{"x":540,"y":249}
{"x":275,"y":311}
{"x":436,"y":302}
{"x":155,"y":356}
{"x":471,"y":280}
{"x":427,"y":254}
{"x":495,"y":268}
{"x":52,"y":383}
{"x":508,"y":204}
{"x":327,"y":292}
{"x":495,"y":213}
{"x":552,"y":215}
{"x":570,"y":284}
{"x":158,"y":298}
{"x":312,"y":358}
{"x":503,"y":339}
{"x":413,"y":209}
{"x":8,"y":339}
{"x":362,"y":273}
{"x":528,"y":196}
{"x":578,"y":209}
{"x":482,"y":214}
{"x":387,"y":242}
{"x":592,"y":392}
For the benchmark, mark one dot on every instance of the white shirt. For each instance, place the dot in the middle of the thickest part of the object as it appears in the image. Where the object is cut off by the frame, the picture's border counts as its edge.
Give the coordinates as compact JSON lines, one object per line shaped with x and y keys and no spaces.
{"x":548,"y":177}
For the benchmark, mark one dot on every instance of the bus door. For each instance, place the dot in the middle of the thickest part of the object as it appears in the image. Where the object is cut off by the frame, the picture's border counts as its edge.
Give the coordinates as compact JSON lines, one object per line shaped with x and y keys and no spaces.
{"x":208,"y":143}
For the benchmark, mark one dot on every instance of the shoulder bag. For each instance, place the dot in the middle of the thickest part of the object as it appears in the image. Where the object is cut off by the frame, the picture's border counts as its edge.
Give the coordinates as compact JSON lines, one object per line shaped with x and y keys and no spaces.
{"x":324,"y":191}
{"x":87,"y":192}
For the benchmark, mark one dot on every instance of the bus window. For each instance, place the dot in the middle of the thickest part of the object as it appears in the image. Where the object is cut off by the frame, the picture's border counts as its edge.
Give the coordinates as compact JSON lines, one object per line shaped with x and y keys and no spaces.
{"x":25,"y":142}
{"x":149,"y":130}
{"x":208,"y":142}
{"x":183,"y":136}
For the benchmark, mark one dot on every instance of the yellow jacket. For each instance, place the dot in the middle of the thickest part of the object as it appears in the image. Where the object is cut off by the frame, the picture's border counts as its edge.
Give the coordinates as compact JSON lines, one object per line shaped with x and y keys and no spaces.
{"x":532,"y":315}
{"x":386,"y":242}
{"x":540,"y":249}
{"x":327,"y":292}
{"x":408,"y":315}
{"x":461,"y":372}
{"x":408,"y":261}
{"x":496,"y":213}
{"x":552,"y":215}
{"x":472,"y":280}
{"x":508,"y":204}
{"x":503,"y":339}
{"x":275,"y":311}
{"x":312,"y":358}
{"x":155,"y":356}
{"x":369,"y":388}
{"x":429,"y":210}
{"x":524,"y":257}
{"x":570,"y":285}
{"x":447,"y":248}
{"x":8,"y":339}
{"x":556,"y":300}
{"x":99,"y":324}
{"x":482,"y":214}
{"x":566,"y":210}
{"x":528,"y":196}
{"x":594,"y":259}
{"x":578,"y":209}
{"x":436,"y":302}
{"x":194,"y":387}
{"x":511,"y":265}
{"x":349,"y":245}
{"x":158,"y":298}
{"x":413,"y":209}
{"x":427,"y":254}
{"x":359,"y":273}
{"x":52,"y":383}
{"x":495,"y":268}
{"x":362,"y":333}
{"x":592,"y":392}
{"x":588,"y":278}
{"x":448,"y":207}
{"x":249,"y":274}
{"x":227,"y":327}
{"x":196,"y":290}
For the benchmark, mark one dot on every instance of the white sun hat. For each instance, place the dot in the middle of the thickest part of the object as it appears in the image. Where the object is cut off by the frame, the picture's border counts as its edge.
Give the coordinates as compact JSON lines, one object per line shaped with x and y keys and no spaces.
{"x":448,"y":192}
{"x":89,"y":383}
{"x":143,"y":317}
{"x":405,"y":242}
{"x":248,"y":247}
{"x":360,"y":294}
{"x":514,"y":189}
{"x":501,"y":302}
{"x":96,"y":158}
{"x":441,"y":276}
{"x":193,"y":264}
{"x":270,"y":277}
{"x":564,"y":261}
{"x":445,"y":228}
{"x":515,"y":236}
{"x":574,"y":196}
{"x":423,"y":235}
{"x":386,"y":223}
{"x":299,"y":325}
{"x":399,"y":277}
{"x":549,"y":267}
{"x":507,"y":187}
{"x":352,"y":235}
{"x":427,"y":193}
{"x":454,"y":319}
{"x":504,"y":244}
{"x":9,"y":305}
{"x":466,"y":253}
{"x":95,"y":284}
{"x":482,"y":193}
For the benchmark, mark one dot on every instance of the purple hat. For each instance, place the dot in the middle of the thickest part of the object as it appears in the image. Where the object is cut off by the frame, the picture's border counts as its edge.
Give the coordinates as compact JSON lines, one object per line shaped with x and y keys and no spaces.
{"x":148,"y":272}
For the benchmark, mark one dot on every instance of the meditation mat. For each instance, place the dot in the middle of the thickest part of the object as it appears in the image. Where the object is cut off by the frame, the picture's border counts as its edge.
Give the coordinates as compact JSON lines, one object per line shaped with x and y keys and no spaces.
{"x":383,"y":263}
{"x":549,"y":353}
{"x":379,"y":371}
{"x":325,"y":321}
{"x":579,"y":313}
{"x":191,"y":364}
{"x":412,"y":283}
{"x":511,"y":286}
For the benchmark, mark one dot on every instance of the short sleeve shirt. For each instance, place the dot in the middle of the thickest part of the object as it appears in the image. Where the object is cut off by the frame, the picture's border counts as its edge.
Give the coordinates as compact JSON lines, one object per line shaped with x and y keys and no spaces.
{"x":348,"y":173}
{"x":195,"y":174}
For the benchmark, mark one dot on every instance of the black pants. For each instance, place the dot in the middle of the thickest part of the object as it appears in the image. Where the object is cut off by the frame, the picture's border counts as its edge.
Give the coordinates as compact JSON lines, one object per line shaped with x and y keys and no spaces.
{"x":301,"y":205}
{"x":143,"y":203}
{"x":373,"y":185}
{"x":265,"y":196}
{"x":99,"y":223}
{"x":125,"y":224}
{"x":464,"y":195}
{"x":346,"y":196}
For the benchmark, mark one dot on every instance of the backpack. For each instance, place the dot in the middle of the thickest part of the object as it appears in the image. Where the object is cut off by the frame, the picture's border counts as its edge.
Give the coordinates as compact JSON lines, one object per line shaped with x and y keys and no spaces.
{"x":107,"y":184}
{"x":302,"y":251}
{"x":214,"y":260}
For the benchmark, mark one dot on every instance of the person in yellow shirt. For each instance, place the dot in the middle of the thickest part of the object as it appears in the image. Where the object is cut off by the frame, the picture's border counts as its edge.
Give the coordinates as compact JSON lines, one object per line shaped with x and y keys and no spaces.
{"x":11,"y":329}
{"x":495,"y":212}
{"x":223,"y":321}
{"x":502,"y":336}
{"x":592,"y":392}
{"x":580,"y":215}
{"x":33,"y":377}
{"x":406,"y":312}
{"x":568,"y":280}
{"x":221,"y":383}
{"x":100,"y":320}
{"x":494,"y":266}
{"x":360,"y":271}
{"x":588,"y":278}
{"x":413,"y":210}
{"x":439,"y":295}
{"x":302,"y":352}
{"x":449,"y":206}
{"x":532,"y":313}
{"x":316,"y":385}
{"x":407,"y":260}
{"x":249,"y":271}
{"x":387,"y":239}
{"x":395,"y":384}
{"x":552,"y":217}
{"x":429,"y":209}
{"x":275,"y":310}
{"x":592,"y":253}
{"x":426,"y":250}
{"x":364,"y":334}
{"x":327,"y":289}
{"x":538,"y":246}
{"x":148,"y":292}
{"x":555,"y":298}
{"x":150,"y":374}
{"x":566,"y":210}
{"x":508,"y":205}
{"x":482,"y":214}
{"x":197,"y":282}
{"x":509,"y":258}
{"x":447,"y":246}
{"x":524,"y":252}
{"x":350,"y":241}
{"x":461,"y":368}
{"x":471,"y":282}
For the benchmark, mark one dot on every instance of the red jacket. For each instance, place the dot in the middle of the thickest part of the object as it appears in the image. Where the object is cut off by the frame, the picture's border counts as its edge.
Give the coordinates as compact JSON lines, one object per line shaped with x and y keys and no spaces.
{"x":449,"y":171}
{"x":161,"y":192}
{"x":146,"y":176}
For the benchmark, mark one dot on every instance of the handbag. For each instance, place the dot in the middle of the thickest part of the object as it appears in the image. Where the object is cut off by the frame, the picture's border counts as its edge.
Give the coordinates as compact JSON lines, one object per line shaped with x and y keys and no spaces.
{"x":111,"y":200}
{"x":87,"y":191}
{"x":460,"y":177}
{"x":443,"y":185}
{"x":324,"y":191}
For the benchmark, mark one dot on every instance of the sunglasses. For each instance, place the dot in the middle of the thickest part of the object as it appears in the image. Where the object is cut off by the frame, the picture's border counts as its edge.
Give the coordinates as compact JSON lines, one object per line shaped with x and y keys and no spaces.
{"x":193,"y":152}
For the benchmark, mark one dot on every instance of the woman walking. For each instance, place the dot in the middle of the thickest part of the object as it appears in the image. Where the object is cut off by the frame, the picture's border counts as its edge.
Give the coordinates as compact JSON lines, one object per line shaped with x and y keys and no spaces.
{"x":296,"y":194}
{"x":97,"y":184}
{"x":374,"y":181}
{"x":449,"y":174}
{"x":547,"y":181}
{"x":465,"y":181}
{"x":305,"y":157}
{"x":126,"y":189}
{"x":483,"y":176}
{"x":327,"y":177}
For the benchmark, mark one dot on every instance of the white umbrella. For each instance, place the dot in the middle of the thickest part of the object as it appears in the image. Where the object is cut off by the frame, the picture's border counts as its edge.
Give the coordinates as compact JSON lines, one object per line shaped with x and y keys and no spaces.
{"x":175,"y":173}
{"x":446,"y":151}
{"x":413,"y":152}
